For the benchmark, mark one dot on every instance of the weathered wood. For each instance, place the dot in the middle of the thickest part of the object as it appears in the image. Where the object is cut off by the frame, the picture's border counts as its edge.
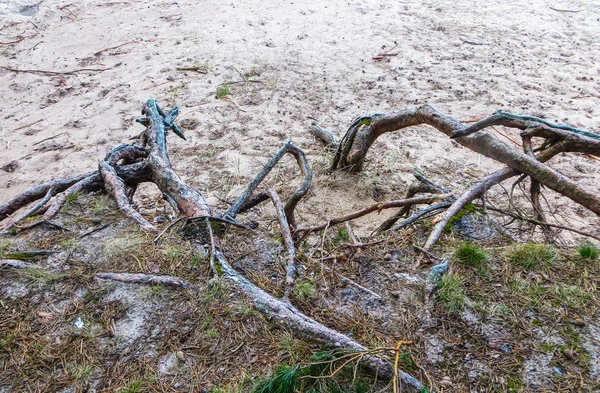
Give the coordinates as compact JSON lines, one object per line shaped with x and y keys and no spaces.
{"x":482,"y":143}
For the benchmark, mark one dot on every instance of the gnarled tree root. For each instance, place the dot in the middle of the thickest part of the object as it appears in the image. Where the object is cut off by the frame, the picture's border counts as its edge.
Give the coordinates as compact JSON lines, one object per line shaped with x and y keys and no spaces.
{"x":559,"y":138}
{"x":125,"y":167}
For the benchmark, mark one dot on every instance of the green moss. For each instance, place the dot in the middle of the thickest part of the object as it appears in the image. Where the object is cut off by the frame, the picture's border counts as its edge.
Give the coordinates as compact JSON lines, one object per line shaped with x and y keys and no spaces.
{"x":469,"y":208}
{"x":473,"y":256}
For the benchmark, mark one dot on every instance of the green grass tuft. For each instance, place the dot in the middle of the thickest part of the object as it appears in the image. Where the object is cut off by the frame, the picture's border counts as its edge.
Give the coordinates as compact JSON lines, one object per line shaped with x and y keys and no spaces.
{"x":304,"y":290}
{"x":530,"y":256}
{"x":223,"y":91}
{"x":451,"y":292}
{"x":284,"y":381}
{"x":471,"y":255}
{"x":132,"y":387}
{"x":588,"y":251}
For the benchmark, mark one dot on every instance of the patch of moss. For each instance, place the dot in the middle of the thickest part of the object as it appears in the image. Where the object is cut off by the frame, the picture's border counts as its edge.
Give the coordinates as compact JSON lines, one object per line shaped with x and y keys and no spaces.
{"x":469,"y":208}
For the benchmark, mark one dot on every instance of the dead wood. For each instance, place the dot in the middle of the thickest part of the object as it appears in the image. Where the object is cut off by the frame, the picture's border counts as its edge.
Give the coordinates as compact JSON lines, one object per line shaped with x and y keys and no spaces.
{"x":139,"y":278}
{"x":245,"y":202}
{"x":324,"y":136}
{"x":128,"y":165}
{"x":286,"y":238}
{"x":373,"y":208}
{"x":364,"y":131}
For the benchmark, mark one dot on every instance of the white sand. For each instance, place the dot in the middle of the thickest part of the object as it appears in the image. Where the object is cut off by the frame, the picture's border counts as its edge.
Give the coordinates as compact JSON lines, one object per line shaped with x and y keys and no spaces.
{"x":312,"y":59}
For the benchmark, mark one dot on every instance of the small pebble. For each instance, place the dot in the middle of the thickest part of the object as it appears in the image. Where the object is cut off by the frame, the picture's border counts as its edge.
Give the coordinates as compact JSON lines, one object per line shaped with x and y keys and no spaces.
{"x":579,"y":322}
{"x":446,"y":382}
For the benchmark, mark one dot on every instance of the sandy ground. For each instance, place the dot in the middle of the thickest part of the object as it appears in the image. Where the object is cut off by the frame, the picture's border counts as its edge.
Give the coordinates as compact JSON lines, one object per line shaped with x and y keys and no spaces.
{"x":285,"y":63}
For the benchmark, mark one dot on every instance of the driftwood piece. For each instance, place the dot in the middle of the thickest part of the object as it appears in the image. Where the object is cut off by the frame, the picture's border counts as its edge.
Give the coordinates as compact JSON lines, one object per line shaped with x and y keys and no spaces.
{"x":286,"y":238}
{"x":139,"y":278}
{"x":482,"y":143}
{"x":246,"y":201}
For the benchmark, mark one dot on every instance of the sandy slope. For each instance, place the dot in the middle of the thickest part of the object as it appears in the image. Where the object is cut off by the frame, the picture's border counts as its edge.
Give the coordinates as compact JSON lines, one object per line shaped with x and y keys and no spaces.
{"x":310,"y":60}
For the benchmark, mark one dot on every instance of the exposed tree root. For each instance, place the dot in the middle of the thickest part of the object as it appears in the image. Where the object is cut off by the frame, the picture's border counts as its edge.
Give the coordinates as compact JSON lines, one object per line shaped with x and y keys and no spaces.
{"x":139,"y":278}
{"x":326,"y":137}
{"x":559,"y":138}
{"x":286,"y":239}
{"x":128,"y":165}
{"x":373,"y":208}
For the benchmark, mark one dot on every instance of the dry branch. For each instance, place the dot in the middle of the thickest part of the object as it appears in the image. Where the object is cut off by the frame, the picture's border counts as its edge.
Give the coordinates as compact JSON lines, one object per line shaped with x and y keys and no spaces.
{"x":139,"y":278}
{"x":245,"y":202}
{"x":286,"y":238}
{"x":370,"y":209}
{"x":155,"y":166}
{"x":363,"y":133}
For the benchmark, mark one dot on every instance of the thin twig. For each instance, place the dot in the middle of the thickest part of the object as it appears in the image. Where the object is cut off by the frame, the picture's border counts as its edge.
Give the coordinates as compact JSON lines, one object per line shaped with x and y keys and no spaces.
{"x":559,"y":10}
{"x":28,"y":125}
{"x":57,"y":72}
{"x":94,"y":229}
{"x":377,"y":207}
{"x":541,"y":223}
{"x":212,"y":248}
{"x":52,"y":137}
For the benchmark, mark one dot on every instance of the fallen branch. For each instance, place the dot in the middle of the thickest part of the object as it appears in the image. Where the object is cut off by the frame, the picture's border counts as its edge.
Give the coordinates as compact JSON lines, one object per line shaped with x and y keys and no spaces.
{"x":139,"y":278}
{"x":44,"y":72}
{"x":370,"y":209}
{"x":16,"y":264}
{"x":286,"y":238}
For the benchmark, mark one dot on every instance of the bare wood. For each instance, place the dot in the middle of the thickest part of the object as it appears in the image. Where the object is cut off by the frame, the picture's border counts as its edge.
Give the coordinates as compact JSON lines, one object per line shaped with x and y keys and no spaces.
{"x":482,"y":143}
{"x":140,"y":278}
{"x":286,"y":315}
{"x":115,"y":187}
{"x":31,"y":211}
{"x":37,"y":192}
{"x":325,"y":136}
{"x":286,"y":238}
{"x":61,"y":199}
{"x":245,"y":202}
